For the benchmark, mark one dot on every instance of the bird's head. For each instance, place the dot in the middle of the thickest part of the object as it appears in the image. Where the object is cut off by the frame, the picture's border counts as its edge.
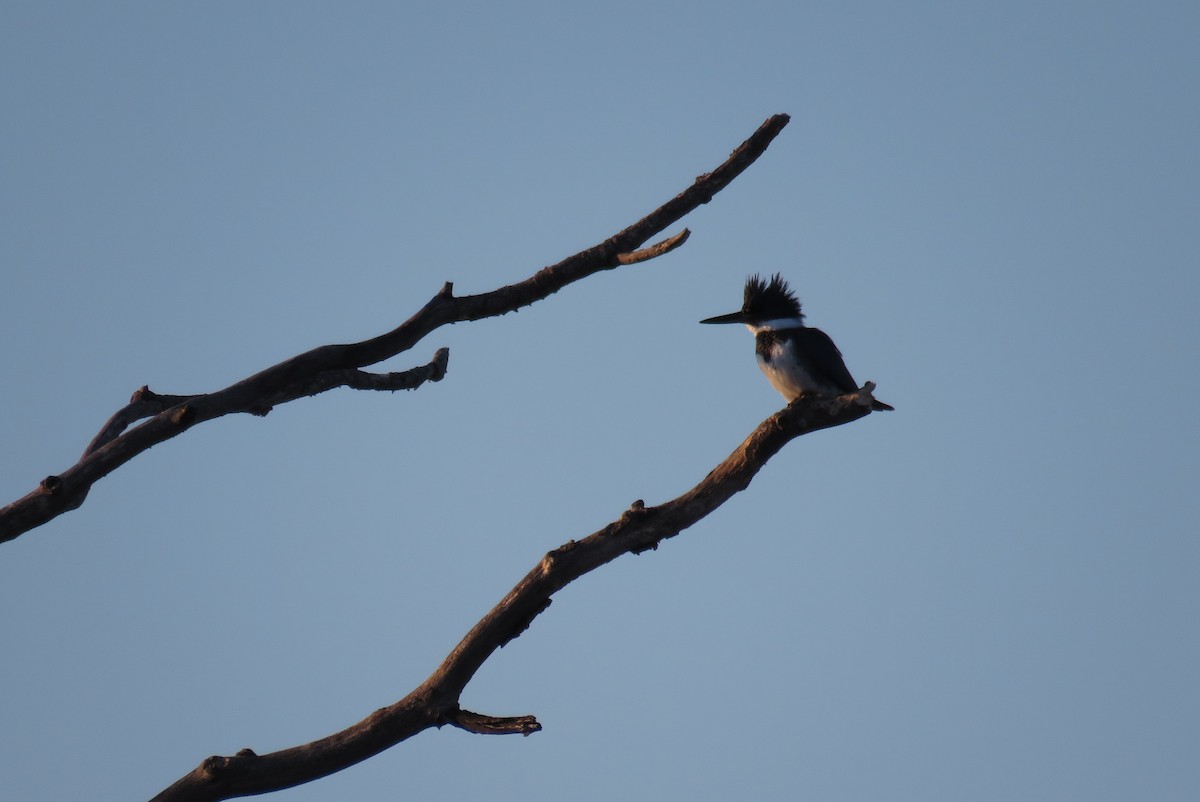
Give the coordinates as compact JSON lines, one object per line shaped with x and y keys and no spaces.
{"x":764,"y":301}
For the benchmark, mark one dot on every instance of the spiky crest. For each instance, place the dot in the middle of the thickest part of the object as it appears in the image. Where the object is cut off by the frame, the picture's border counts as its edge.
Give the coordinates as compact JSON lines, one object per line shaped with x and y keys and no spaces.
{"x":770,"y":299}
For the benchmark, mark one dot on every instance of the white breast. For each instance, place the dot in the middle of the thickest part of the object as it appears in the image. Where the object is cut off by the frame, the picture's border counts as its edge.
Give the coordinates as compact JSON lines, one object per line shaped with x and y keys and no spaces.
{"x":784,"y":373}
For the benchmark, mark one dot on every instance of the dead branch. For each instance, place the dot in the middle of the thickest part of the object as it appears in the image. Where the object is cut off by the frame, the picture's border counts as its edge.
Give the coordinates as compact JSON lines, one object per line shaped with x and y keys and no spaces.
{"x":435,"y":702}
{"x":332,"y":366}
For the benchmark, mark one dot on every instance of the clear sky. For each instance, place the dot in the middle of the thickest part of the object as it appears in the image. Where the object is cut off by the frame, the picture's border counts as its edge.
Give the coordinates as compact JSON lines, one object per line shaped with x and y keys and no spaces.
{"x":993,"y":208}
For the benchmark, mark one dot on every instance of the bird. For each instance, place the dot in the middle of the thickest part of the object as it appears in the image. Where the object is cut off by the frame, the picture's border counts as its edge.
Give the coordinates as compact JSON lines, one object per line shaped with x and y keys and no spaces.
{"x":797,"y":360}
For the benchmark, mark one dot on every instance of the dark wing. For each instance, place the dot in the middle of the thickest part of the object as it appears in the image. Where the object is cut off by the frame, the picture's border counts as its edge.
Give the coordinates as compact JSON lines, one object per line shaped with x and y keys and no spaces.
{"x":825,"y":358}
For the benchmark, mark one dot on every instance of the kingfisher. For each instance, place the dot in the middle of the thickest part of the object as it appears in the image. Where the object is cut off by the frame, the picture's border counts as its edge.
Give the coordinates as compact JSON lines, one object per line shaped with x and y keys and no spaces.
{"x":797,"y":359}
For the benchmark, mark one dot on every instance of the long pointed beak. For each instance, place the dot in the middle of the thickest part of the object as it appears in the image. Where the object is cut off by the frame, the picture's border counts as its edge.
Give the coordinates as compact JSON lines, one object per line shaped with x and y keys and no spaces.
{"x":732,"y":317}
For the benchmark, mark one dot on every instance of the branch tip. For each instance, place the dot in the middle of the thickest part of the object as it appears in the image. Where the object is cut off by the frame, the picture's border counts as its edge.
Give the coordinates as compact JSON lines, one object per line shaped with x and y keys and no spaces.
{"x":657,"y":249}
{"x":441,"y":360}
{"x":493,"y":725}
{"x":865,"y":397}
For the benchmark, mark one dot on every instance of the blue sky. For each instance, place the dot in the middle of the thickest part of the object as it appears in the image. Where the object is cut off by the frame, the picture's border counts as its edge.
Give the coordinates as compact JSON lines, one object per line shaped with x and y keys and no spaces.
{"x":989,"y":594}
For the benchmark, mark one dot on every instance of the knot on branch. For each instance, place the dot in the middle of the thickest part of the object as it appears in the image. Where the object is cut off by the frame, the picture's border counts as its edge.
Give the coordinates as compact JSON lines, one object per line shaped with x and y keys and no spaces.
{"x":51,"y":485}
{"x":216,"y":767}
{"x":636,"y":510}
{"x":213,"y":767}
{"x":551,"y":558}
{"x":184,"y":414}
{"x":143,"y":393}
{"x":637,"y":516}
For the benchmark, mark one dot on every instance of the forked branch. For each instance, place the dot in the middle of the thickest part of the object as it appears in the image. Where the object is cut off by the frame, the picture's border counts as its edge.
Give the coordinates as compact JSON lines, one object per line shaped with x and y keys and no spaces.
{"x":436,"y":701}
{"x":332,"y":366}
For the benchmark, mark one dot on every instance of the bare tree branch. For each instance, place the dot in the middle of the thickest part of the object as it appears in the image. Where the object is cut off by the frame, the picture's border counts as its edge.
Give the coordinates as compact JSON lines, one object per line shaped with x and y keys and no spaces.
{"x":436,"y":701}
{"x":339,"y":365}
